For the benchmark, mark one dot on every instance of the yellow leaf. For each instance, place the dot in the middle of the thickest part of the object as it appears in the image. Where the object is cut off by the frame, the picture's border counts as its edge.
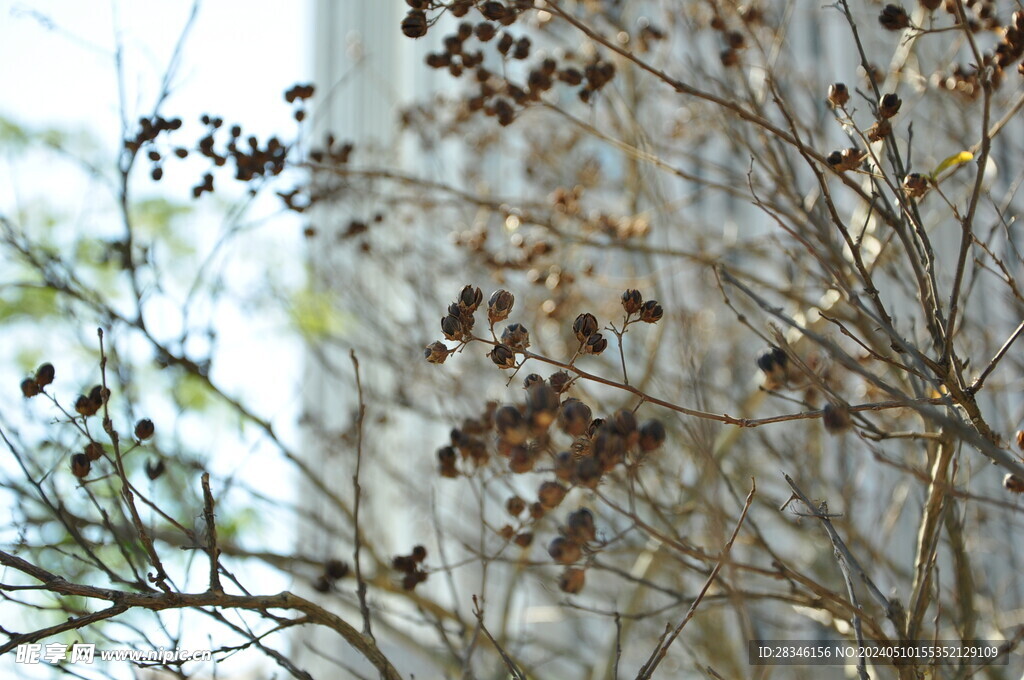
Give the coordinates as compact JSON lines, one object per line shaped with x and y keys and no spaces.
{"x":955,"y":159}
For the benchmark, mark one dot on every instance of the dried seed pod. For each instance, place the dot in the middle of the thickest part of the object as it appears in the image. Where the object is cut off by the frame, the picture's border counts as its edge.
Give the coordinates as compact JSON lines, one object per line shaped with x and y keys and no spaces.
{"x":579,"y":526}
{"x":414,"y":25}
{"x":564,"y":551}
{"x":29,"y":388}
{"x":515,"y":506}
{"x":889,"y":105}
{"x":847,"y":159}
{"x":80,"y":465}
{"x":44,"y":375}
{"x":541,"y":404}
{"x":322,"y":584}
{"x":930,"y":5}
{"x":531,"y":380}
{"x":879,"y":131}
{"x":915,"y":185}
{"x":446,"y":458}
{"x":524,"y":540}
{"x":335,"y":569}
{"x":729,"y":57}
{"x":572,"y":580}
{"x":499,"y":306}
{"x":510,"y":425}
{"x":516,"y":336}
{"x":495,"y":11}
{"x":632,"y":300}
{"x":559,"y":381}
{"x":436,"y":352}
{"x":584,"y":326}
{"x":521,"y":459}
{"x":587,"y":472}
{"x":623,"y":422}
{"x":838,"y":95}
{"x":894,"y":18}
{"x":451,"y":327}
{"x":1020,"y":439}
{"x":154,"y":468}
{"x":564,"y":466}
{"x":551,"y":494}
{"x":1013,"y":483}
{"x":651,"y":312}
{"x":485,"y":31}
{"x":470,"y":298}
{"x":608,"y":447}
{"x":94,"y":450}
{"x":144,"y":429}
{"x":85,"y":406}
{"x":736,"y":40}
{"x":595,"y":344}
{"x":836,"y":418}
{"x":574,"y":417}
{"x":503,"y":356}
{"x":99,"y":395}
{"x":537,"y":511}
{"x":413,"y":579}
{"x":419,"y":553}
{"x":652,"y":435}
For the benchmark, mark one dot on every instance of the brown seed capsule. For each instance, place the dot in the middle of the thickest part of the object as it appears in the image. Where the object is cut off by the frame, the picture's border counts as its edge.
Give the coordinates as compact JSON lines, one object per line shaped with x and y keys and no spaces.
{"x":559,"y":381}
{"x":414,"y":25}
{"x":537,"y":510}
{"x":584,"y":326}
{"x":495,"y":11}
{"x":838,"y":95}
{"x":515,"y":506}
{"x":894,"y":18}
{"x":403,"y":563}
{"x":651,"y":312}
{"x":99,"y":395}
{"x":729,"y":57}
{"x":322,"y":584}
{"x":836,"y":418}
{"x":915,"y":185}
{"x":413,"y":579}
{"x":521,"y":460}
{"x":551,"y":494}
{"x":335,"y":569}
{"x":574,"y":417}
{"x":44,"y":375}
{"x":879,"y":131}
{"x":484,"y":31}
{"x":503,"y":356}
{"x":595,"y":344}
{"x":516,"y":336}
{"x":144,"y":429}
{"x":419,"y":553}
{"x":154,"y":468}
{"x":80,"y":465}
{"x":572,"y":580}
{"x":652,"y":435}
{"x":588,"y":472}
{"x":531,"y":380}
{"x":632,"y":300}
{"x":524,"y":540}
{"x":94,"y":450}
{"x":85,"y":406}
{"x":889,"y":105}
{"x":499,"y":306}
{"x":29,"y":388}
{"x":1020,"y":439}
{"x":436,"y":352}
{"x":541,"y":405}
{"x":1013,"y":483}
{"x":451,"y":328}
{"x":930,"y":5}
{"x":623,"y":422}
{"x":564,"y":465}
{"x":510,"y":425}
{"x":564,"y":551}
{"x":470,"y":298}
{"x":446,"y":458}
{"x":579,"y":527}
